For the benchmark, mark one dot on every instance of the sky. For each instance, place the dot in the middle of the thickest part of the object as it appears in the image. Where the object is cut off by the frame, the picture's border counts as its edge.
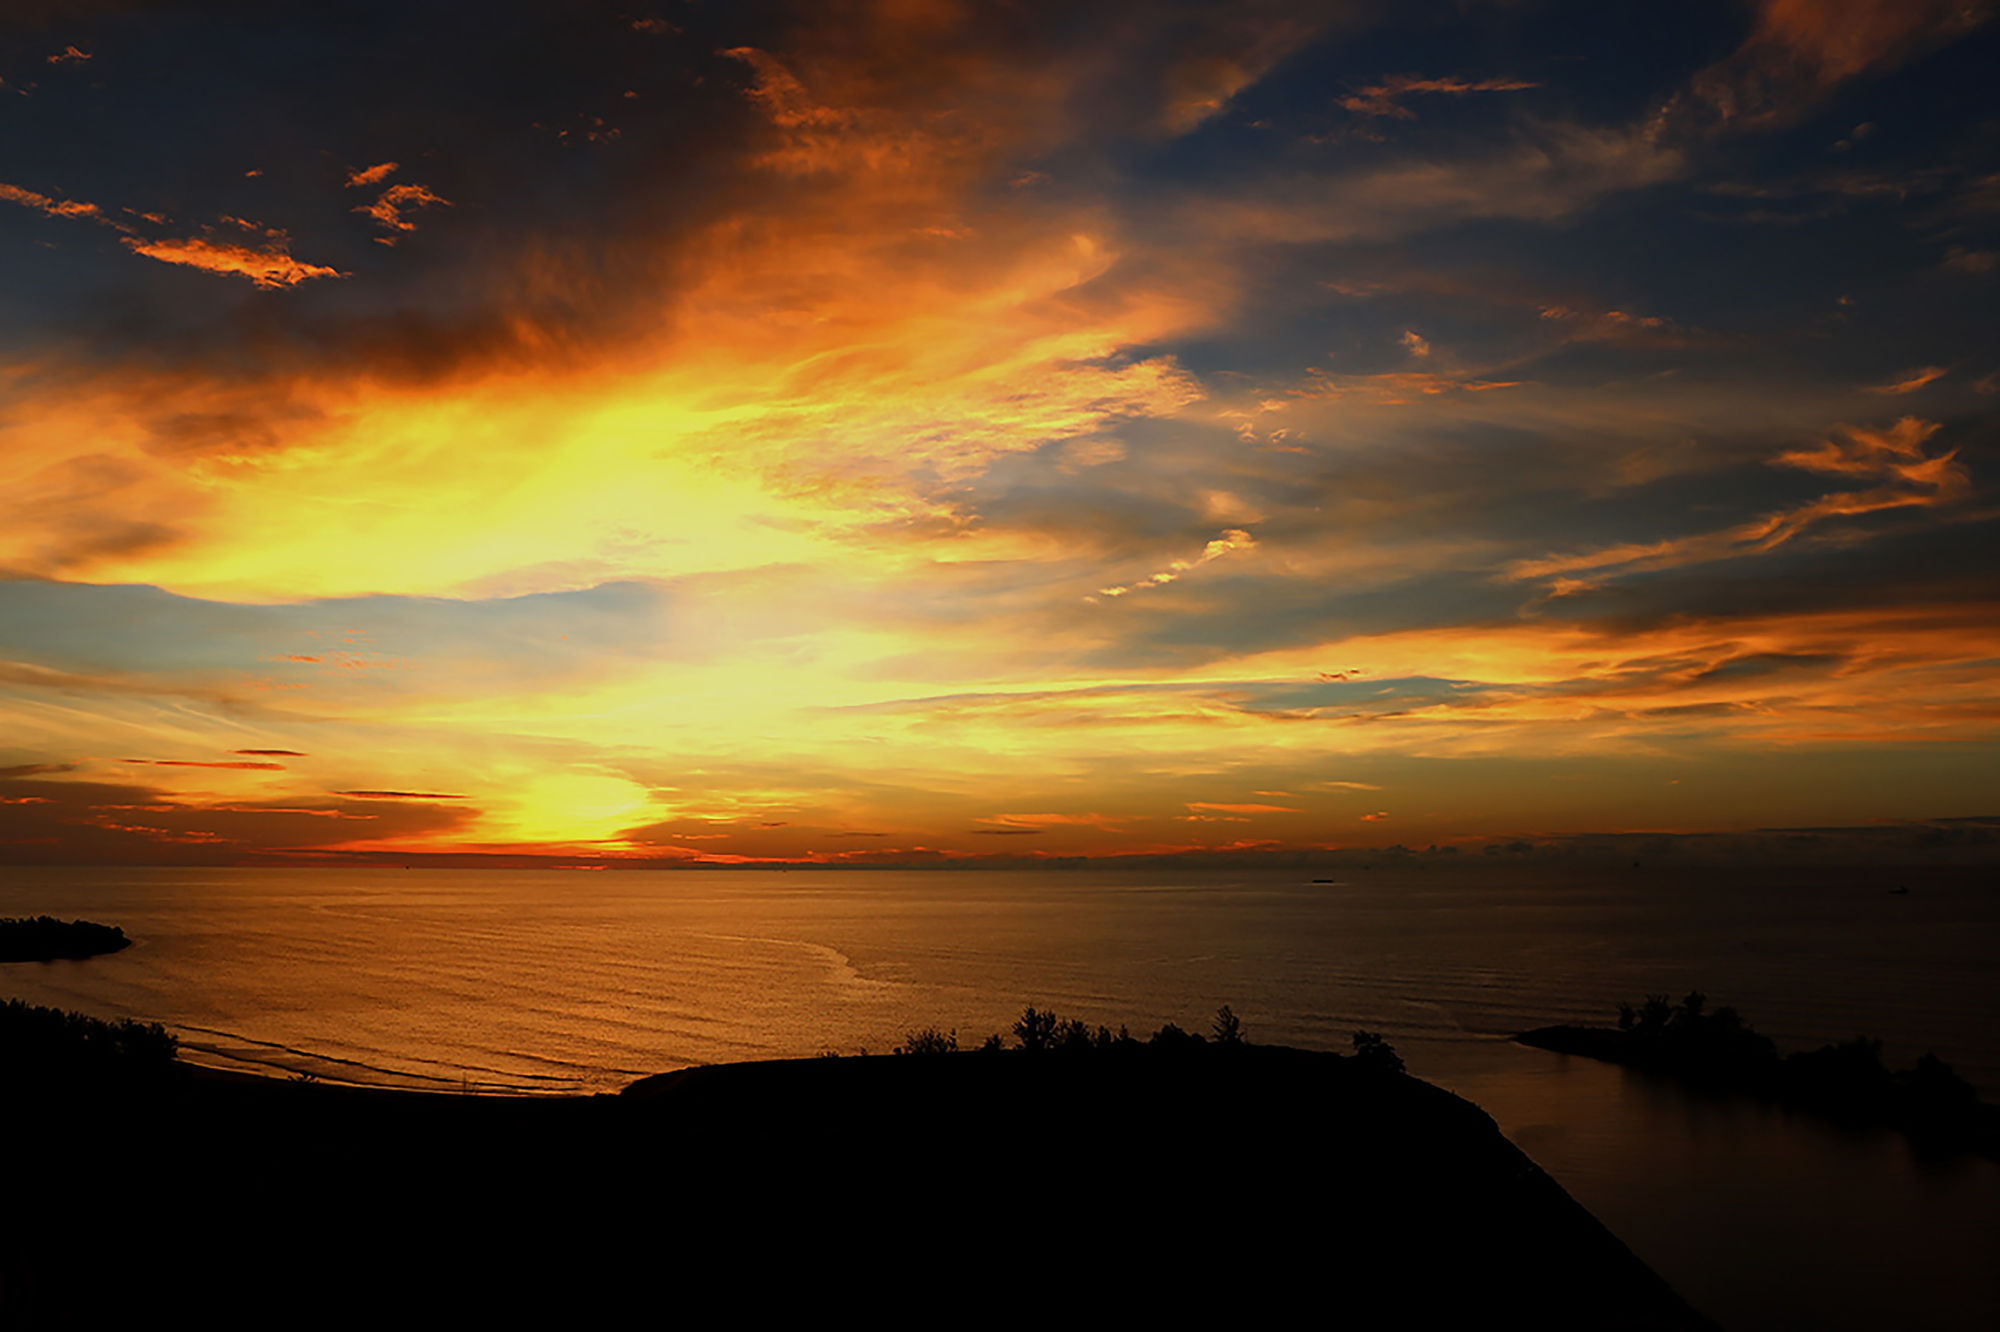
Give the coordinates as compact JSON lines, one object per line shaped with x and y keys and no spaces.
{"x":919,"y":432}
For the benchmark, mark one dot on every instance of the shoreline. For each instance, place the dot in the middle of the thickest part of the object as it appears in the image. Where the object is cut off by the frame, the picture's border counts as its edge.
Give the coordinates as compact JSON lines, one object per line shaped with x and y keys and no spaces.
{"x":1936,"y":1112}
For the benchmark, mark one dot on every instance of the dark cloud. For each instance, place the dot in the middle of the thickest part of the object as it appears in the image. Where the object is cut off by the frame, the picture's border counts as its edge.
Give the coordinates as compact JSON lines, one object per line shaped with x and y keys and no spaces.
{"x":84,"y":822}
{"x":197,"y":763}
{"x":400,"y":795}
{"x":552,"y":247}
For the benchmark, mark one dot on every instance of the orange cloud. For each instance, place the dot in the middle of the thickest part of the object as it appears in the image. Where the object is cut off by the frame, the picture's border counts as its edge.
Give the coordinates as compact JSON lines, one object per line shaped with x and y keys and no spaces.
{"x":1025,"y":823}
{"x":389,"y":208}
{"x":1396,"y":389}
{"x":1802,"y":49}
{"x":1913,"y":381}
{"x":1386,"y":98}
{"x":1896,"y":452}
{"x":267,"y":263}
{"x":370,"y":175}
{"x":54,"y":207}
{"x":269,"y":268}
{"x":1895,"y":456}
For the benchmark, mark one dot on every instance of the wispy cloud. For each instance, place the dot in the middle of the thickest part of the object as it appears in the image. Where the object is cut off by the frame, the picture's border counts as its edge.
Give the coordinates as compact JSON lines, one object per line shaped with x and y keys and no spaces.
{"x":262,"y":255}
{"x":197,"y":763}
{"x":42,"y":203}
{"x":371,"y":175}
{"x":269,"y":265}
{"x":1388,"y":97}
{"x":1894,"y":456}
{"x":1233,"y":540}
{"x":392,"y":206}
{"x":401,"y":795}
{"x":1800,"y":50}
{"x":1912,"y":381}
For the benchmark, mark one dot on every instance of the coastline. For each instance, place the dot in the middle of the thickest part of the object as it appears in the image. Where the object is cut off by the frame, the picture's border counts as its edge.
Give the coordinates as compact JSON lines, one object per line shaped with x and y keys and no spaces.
{"x":1847,"y":1084}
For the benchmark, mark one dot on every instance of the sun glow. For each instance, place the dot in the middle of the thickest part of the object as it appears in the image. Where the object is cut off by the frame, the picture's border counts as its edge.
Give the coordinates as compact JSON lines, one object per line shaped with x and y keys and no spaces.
{"x":563,"y":808}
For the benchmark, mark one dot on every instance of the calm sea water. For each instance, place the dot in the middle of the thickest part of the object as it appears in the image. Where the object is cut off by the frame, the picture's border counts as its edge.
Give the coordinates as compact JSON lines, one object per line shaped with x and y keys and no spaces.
{"x":566,"y":981}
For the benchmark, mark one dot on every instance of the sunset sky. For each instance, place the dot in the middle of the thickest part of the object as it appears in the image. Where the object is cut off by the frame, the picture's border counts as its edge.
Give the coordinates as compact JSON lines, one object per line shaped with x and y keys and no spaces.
{"x":906,"y":430}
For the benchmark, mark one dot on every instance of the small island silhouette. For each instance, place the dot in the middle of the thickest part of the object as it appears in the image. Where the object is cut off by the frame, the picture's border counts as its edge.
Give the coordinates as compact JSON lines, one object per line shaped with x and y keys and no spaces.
{"x":1073,"y":1172}
{"x":46,"y":939}
{"x":1714,"y":1049}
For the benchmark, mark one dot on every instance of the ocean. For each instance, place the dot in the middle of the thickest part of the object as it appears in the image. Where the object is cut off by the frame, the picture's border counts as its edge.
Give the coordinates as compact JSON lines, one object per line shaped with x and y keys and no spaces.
{"x":567,"y":981}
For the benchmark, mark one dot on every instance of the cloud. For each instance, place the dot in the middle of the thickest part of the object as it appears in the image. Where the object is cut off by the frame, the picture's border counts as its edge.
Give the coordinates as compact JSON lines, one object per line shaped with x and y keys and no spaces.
{"x":392,"y":204}
{"x":193,"y":763}
{"x":371,"y":175}
{"x":1395,"y":388}
{"x":1895,"y":456}
{"x":400,"y":795}
{"x":1800,"y":50}
{"x":1544,"y":172}
{"x":53,"y":207}
{"x":1894,"y":453}
{"x":760,"y":460}
{"x":1913,"y":381}
{"x":69,"y":55}
{"x":1047,"y":821}
{"x":267,"y":261}
{"x":270,"y":266}
{"x":1387,"y":97}
{"x":20,"y":770}
{"x":1240,"y":809}
{"x":278,"y":753}
{"x":88,"y":822}
{"x":1234,"y":539}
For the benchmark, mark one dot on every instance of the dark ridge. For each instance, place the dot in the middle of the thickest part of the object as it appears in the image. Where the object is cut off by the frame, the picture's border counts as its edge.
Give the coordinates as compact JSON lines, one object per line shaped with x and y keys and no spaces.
{"x":1715,"y":1050}
{"x":46,"y":939}
{"x":1190,"y":1178}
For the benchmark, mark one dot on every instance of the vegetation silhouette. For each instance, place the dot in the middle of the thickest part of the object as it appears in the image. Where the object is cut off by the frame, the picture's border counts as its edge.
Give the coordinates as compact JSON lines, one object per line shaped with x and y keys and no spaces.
{"x":46,"y":939}
{"x":929,"y":1041}
{"x":1716,"y":1050}
{"x":51,"y":1048}
{"x":1375,"y":1052}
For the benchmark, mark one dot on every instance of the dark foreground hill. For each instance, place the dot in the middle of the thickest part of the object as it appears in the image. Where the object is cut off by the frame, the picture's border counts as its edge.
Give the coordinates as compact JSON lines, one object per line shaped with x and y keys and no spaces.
{"x":1246,"y":1186}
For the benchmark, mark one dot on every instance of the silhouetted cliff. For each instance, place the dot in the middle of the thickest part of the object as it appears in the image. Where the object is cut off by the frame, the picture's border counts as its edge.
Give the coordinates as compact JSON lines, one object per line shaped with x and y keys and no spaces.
{"x":1187,"y":1179}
